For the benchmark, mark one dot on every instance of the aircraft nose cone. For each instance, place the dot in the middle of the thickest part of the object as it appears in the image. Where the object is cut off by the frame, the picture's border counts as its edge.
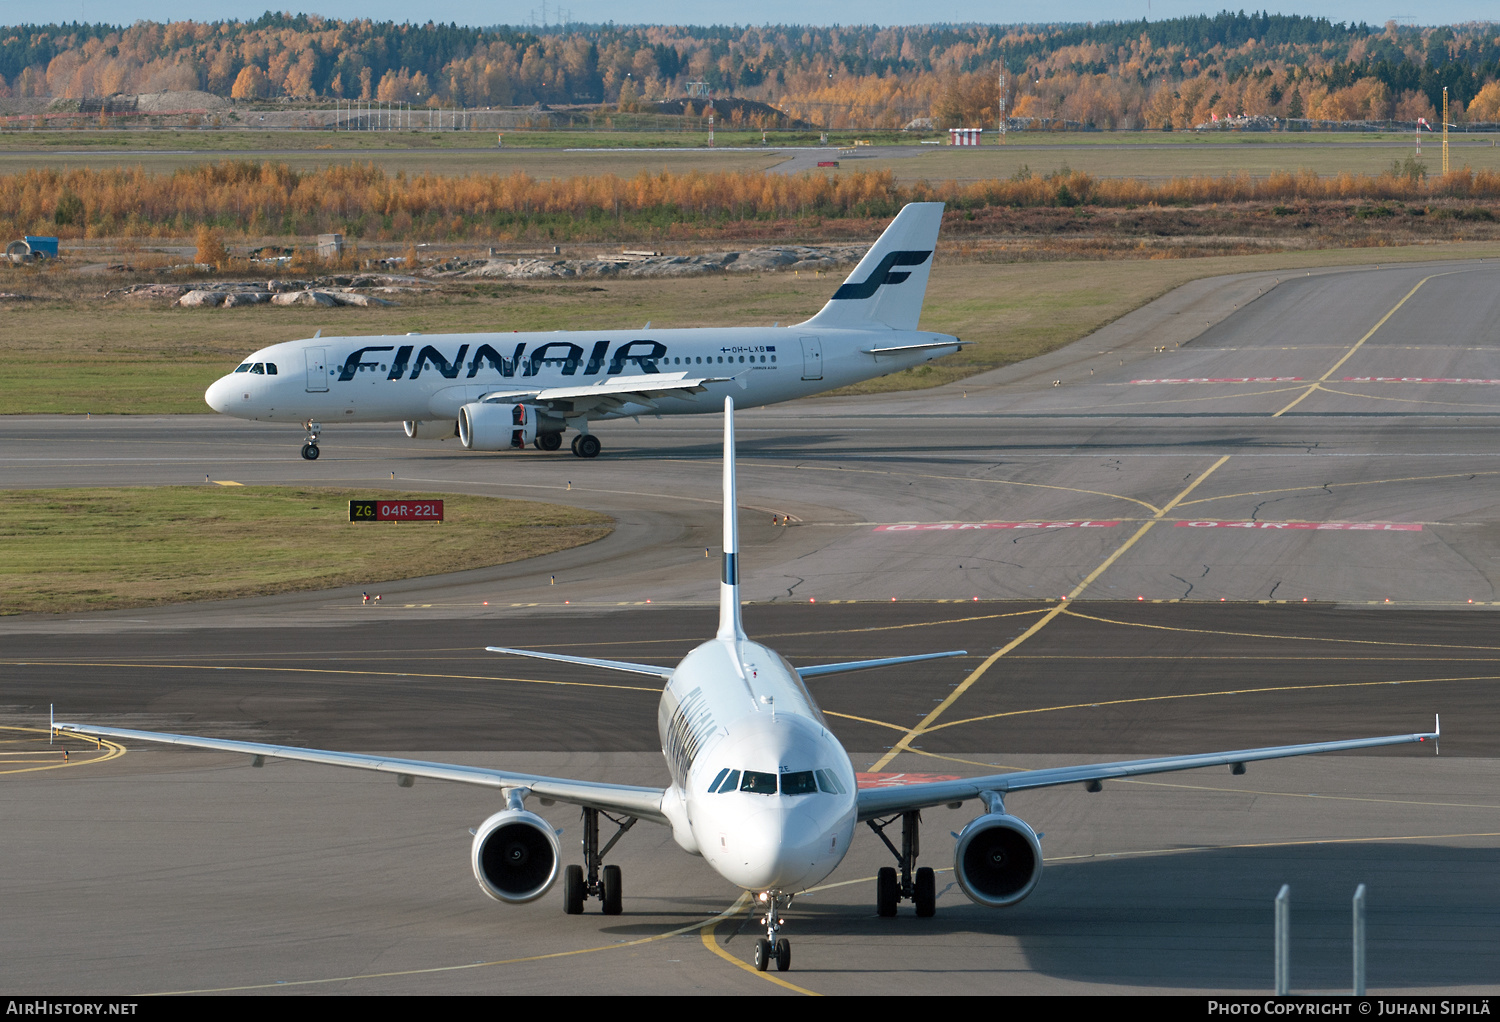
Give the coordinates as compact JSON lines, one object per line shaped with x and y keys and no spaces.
{"x":217,"y":394}
{"x":778,"y":849}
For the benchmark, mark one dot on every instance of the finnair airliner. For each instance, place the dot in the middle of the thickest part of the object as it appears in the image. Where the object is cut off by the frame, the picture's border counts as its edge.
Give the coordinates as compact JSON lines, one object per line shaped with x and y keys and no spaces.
{"x":498,"y":391}
{"x":759,"y":786}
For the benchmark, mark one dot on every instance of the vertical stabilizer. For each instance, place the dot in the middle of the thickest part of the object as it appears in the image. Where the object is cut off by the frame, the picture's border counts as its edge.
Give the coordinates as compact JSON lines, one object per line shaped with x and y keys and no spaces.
{"x":729,"y":581}
{"x":887,"y":287}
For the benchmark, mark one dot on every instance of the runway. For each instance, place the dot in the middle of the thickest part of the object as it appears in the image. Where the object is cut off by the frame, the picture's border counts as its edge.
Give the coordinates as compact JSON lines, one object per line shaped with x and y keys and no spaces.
{"x":1122,"y":534}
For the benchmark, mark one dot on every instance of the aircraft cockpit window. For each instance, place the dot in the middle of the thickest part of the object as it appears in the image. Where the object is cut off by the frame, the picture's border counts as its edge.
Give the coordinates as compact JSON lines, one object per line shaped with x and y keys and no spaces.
{"x":259,"y":368}
{"x":829,"y":782}
{"x":799,"y":782}
{"x":244,"y":368}
{"x":270,"y":368}
{"x":758,"y":782}
{"x":728,"y":780}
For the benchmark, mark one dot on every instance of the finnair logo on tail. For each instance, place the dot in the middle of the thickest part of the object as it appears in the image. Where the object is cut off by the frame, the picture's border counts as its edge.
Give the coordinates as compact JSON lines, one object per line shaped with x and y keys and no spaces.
{"x":883,"y":274}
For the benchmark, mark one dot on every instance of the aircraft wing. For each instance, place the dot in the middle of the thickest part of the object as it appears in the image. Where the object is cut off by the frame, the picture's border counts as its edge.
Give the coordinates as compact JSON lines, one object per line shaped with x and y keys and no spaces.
{"x":875,"y":802}
{"x":610,"y":394}
{"x":644,"y":803}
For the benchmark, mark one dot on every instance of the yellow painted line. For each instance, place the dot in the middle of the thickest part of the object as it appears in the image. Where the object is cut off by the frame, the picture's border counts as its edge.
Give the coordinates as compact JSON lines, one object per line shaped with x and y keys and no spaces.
{"x":964,"y":479}
{"x":864,"y":720}
{"x":680,"y":931}
{"x":1279,"y":638}
{"x":1340,"y":486}
{"x":87,"y":756}
{"x":227,"y":482}
{"x":370,"y":674}
{"x":706,"y":934}
{"x":1204,"y":695}
{"x":1350,"y":353}
{"x":1409,"y":400}
{"x":979,"y":671}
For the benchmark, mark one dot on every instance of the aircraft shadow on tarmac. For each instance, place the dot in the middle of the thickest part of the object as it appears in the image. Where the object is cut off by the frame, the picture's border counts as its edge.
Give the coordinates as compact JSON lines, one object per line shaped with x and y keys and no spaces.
{"x":1203,"y":919}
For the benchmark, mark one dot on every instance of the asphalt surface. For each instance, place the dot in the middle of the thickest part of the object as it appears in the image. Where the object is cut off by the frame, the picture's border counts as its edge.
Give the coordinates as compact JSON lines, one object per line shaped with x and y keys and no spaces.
{"x":1185,"y":478}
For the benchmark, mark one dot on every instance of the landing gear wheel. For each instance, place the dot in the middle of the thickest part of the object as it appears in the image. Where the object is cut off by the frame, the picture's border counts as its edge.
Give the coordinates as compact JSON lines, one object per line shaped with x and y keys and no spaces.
{"x":586,"y":445}
{"x":576,"y":438}
{"x":310,"y":452}
{"x":573,"y":890}
{"x":887,"y":892}
{"x":763,"y":953}
{"x":924,"y":894}
{"x":783,"y":955}
{"x":548,"y":441}
{"x":613,"y":884}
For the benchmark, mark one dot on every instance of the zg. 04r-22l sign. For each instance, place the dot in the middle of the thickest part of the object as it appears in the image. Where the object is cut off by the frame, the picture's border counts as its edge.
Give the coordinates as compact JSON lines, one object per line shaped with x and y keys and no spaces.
{"x":395,"y":510}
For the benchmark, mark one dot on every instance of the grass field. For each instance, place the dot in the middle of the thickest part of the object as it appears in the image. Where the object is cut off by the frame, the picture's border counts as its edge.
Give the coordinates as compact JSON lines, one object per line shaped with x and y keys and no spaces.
{"x":75,"y":353}
{"x":88,"y":549}
{"x":540,"y":154}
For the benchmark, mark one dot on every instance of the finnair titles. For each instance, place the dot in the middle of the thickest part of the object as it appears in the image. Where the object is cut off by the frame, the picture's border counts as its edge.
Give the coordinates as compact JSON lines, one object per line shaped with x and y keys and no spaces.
{"x":503,"y":391}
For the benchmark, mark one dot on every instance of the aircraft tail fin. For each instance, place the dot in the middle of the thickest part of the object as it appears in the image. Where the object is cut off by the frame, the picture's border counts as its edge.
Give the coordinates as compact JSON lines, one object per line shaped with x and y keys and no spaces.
{"x":887,"y":287}
{"x":730,"y":626}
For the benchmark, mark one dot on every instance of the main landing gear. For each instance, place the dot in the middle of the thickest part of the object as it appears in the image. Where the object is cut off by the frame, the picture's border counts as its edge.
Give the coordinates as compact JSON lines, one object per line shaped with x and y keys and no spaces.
{"x":920,"y":889}
{"x":585,"y":445}
{"x":547,"y":441}
{"x":773,"y":947}
{"x":605,"y":883}
{"x":310,"y":445}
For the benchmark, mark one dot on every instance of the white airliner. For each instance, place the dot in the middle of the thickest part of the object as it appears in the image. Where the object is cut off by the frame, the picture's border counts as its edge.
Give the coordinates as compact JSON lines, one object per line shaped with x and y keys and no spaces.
{"x":497,"y":391}
{"x":760,"y":787}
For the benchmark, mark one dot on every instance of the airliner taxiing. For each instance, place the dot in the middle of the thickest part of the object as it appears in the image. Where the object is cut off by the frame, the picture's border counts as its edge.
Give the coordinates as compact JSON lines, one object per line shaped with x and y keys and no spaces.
{"x":497,"y":391}
{"x":759,"y":786}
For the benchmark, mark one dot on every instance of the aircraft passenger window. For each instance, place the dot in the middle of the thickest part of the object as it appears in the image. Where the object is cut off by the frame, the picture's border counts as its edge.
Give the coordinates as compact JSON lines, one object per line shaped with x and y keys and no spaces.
{"x":758,"y":782}
{"x":244,"y":368}
{"x":773,"y":358}
{"x":829,"y":783}
{"x":259,"y":368}
{"x":270,"y":368}
{"x":800,"y":782}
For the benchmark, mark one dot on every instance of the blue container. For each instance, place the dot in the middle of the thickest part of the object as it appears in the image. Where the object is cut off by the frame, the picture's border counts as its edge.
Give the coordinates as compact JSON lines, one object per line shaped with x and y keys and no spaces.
{"x":43,"y":246}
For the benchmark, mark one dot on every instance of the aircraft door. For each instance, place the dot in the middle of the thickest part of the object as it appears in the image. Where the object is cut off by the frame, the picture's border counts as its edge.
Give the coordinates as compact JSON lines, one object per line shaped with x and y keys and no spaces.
{"x":812,"y":358}
{"x":317,"y":369}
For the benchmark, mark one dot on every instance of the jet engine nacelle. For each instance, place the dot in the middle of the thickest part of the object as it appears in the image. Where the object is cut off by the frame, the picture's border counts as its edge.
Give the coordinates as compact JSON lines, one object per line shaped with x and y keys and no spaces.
{"x":515,"y":856}
{"x":997,"y":860}
{"x":485,"y":426}
{"x":430,"y":429}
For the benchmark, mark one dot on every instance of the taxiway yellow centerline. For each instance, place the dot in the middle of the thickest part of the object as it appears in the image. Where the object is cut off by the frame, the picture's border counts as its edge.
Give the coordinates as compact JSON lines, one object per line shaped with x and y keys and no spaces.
{"x":1357,"y":344}
{"x":937,"y":711}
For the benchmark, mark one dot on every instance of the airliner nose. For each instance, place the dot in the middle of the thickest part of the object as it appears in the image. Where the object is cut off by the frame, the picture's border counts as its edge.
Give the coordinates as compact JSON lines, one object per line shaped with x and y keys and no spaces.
{"x":217,"y":394}
{"x":780,"y":848}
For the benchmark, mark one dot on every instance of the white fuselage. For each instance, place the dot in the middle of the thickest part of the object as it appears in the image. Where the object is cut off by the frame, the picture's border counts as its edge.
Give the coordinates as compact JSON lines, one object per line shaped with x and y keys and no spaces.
{"x":423,"y":377}
{"x":760,"y":787}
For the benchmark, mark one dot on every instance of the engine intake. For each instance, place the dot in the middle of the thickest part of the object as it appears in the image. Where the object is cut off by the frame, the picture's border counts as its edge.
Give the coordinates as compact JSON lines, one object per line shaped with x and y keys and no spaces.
{"x":515,"y":856}
{"x":997,"y":860}
{"x":486,"y":426}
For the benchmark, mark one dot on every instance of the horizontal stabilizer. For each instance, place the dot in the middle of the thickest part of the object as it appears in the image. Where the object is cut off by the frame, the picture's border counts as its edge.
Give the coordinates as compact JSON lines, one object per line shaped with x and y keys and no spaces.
{"x":664,"y":673}
{"x":861,"y":665}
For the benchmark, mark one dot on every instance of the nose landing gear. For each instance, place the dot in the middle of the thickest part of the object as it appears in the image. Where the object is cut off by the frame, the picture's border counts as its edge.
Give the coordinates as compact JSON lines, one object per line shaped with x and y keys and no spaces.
{"x":310,"y":445}
{"x":773,"y":947}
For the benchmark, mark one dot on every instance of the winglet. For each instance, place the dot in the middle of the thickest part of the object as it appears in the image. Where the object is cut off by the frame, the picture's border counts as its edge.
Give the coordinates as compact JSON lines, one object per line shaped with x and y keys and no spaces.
{"x":729,"y":579}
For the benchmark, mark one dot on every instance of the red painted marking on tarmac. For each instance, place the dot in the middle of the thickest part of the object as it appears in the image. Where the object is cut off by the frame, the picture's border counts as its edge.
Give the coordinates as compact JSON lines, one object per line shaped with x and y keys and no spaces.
{"x":1227,"y":379}
{"x":973,"y":526}
{"x":897,"y":780}
{"x":1317,"y":526}
{"x":1415,"y":379}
